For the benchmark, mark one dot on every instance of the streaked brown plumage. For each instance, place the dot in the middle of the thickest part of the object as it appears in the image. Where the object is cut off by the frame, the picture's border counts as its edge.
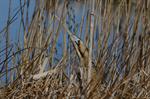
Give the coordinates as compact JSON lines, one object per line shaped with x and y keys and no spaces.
{"x":81,"y":49}
{"x":83,"y":53}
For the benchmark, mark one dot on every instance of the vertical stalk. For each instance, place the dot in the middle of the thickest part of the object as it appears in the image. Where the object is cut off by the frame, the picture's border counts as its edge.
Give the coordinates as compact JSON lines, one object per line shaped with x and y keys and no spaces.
{"x":91,"y":41}
{"x":7,"y":40}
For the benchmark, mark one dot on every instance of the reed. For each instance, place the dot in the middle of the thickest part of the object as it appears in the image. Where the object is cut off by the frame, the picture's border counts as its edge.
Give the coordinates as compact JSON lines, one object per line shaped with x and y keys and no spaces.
{"x":117,"y":39}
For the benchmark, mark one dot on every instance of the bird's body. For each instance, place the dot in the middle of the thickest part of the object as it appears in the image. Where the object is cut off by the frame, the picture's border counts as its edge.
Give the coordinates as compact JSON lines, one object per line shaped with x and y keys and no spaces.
{"x":83,"y":54}
{"x":81,"y":49}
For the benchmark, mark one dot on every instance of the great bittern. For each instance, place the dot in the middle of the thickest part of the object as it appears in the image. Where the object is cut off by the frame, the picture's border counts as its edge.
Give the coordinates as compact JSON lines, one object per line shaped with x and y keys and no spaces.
{"x":81,"y":49}
{"x":83,"y":53}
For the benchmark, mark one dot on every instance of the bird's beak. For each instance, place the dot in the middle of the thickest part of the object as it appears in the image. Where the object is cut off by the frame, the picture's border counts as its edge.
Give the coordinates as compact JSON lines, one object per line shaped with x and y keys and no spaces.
{"x":75,"y":39}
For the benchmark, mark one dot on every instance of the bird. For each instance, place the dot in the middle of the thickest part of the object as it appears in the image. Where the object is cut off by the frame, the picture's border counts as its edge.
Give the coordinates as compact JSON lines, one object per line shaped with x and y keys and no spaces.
{"x":83,"y":54}
{"x":82,"y":51}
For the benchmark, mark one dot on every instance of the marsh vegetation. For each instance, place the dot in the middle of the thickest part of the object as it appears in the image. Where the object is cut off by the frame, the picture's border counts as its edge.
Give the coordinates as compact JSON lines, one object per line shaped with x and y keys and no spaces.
{"x":44,"y":63}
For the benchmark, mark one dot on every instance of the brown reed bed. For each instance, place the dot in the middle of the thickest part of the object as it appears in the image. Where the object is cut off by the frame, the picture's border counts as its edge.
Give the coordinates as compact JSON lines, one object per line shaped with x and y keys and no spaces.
{"x":42,"y":66}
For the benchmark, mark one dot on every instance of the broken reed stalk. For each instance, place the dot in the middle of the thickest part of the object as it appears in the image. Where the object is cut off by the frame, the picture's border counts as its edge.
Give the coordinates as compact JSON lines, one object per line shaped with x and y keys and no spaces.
{"x":91,"y":42}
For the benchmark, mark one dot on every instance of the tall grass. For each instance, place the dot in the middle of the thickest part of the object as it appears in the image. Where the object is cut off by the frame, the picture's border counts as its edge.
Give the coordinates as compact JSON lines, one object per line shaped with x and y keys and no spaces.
{"x":37,"y":65}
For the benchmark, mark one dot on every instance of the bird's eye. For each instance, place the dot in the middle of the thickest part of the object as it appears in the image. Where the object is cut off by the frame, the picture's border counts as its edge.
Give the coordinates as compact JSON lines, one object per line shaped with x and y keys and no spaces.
{"x":77,"y":42}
